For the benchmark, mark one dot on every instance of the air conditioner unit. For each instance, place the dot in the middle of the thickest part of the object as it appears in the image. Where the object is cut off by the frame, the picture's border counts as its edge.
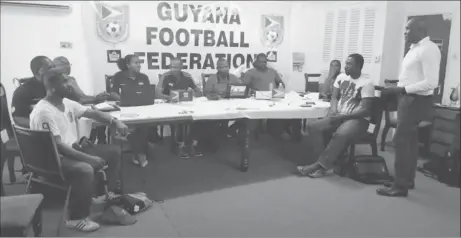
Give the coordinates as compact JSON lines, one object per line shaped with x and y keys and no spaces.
{"x":37,"y":4}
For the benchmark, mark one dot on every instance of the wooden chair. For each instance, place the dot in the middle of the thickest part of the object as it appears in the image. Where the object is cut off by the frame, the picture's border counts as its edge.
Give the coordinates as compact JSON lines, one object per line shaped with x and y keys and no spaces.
{"x":370,"y":138}
{"x":204,"y":79}
{"x":43,"y":163}
{"x":390,"y":107}
{"x":21,"y":214}
{"x":11,"y":149}
{"x":20,"y":81}
{"x":310,"y":87}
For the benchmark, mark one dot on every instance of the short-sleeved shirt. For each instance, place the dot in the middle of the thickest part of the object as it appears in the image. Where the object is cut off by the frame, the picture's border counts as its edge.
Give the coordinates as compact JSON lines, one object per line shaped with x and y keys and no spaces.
{"x":122,"y":78}
{"x":46,"y":116}
{"x":26,"y":96}
{"x":216,"y":84}
{"x":260,"y":80}
{"x":352,"y":91}
{"x":171,"y":82}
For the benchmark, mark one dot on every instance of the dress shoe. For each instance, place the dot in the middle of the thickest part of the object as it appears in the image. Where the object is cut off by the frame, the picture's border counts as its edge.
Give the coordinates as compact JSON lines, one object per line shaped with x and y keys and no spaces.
{"x":390,"y":184}
{"x":392,"y":192}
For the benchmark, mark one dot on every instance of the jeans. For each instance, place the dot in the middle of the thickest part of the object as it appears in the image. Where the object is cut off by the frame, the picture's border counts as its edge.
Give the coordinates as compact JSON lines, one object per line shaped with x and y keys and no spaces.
{"x":99,"y":133}
{"x":341,"y":136}
{"x":81,"y":177}
{"x":411,"y":110}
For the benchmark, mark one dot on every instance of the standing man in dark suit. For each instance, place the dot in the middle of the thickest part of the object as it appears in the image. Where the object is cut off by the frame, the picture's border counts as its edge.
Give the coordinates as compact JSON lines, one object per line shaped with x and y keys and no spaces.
{"x":418,"y":79}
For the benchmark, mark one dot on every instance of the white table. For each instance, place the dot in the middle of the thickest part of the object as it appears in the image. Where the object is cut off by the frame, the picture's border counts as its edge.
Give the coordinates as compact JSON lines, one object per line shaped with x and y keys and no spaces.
{"x":228,"y":109}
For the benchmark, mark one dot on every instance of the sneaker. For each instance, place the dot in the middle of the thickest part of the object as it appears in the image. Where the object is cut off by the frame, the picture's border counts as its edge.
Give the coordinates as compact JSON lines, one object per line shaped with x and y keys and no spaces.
{"x":85,"y":225}
{"x":196,"y":151}
{"x":183,"y":152}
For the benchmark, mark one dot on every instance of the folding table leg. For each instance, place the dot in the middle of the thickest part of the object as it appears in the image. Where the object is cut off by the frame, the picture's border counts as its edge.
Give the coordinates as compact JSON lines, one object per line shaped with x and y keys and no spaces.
{"x":245,"y":137}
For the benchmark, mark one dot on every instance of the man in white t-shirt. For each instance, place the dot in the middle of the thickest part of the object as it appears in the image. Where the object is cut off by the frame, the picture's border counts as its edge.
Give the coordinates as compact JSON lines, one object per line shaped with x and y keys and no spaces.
{"x":59,"y":115}
{"x":351,"y":106}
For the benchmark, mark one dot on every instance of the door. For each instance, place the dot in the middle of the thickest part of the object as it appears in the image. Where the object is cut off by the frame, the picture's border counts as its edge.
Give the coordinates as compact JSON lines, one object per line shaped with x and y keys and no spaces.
{"x":438,"y":29}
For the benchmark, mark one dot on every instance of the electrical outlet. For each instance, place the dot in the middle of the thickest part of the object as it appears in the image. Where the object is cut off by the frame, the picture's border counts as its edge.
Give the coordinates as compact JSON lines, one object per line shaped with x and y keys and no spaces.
{"x":66,"y":45}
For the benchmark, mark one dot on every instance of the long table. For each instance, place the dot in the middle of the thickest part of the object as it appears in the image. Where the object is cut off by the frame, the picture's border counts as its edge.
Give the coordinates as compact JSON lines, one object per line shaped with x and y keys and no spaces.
{"x":230,"y":109}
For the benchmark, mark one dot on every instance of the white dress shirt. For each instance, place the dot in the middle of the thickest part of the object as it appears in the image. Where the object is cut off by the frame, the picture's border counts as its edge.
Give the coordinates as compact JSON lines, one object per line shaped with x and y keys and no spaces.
{"x":420,"y":68}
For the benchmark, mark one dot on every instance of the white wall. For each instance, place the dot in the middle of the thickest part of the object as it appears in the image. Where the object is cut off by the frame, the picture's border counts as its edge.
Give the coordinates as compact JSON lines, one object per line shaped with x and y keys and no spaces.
{"x":394,"y":41}
{"x":144,"y":14}
{"x":28,"y":32}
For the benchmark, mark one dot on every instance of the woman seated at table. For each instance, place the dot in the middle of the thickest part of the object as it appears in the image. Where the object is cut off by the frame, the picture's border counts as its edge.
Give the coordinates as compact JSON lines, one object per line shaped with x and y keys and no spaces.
{"x":141,"y":139}
{"x":178,"y":80}
{"x":326,"y":89}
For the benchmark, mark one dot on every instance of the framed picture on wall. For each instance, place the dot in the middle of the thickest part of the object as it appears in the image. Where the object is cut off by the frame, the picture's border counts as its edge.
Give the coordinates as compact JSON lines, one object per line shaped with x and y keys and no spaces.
{"x":113,"y":56}
{"x":272,"y":56}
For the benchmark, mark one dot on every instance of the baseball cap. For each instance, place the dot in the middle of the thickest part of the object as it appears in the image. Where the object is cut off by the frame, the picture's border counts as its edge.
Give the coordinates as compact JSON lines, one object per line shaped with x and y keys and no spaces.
{"x":114,"y":215}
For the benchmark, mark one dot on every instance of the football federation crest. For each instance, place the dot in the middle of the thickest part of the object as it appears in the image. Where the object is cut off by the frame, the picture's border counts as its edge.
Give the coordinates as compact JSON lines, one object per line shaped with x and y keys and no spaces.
{"x":112,"y":22}
{"x":272,"y":30}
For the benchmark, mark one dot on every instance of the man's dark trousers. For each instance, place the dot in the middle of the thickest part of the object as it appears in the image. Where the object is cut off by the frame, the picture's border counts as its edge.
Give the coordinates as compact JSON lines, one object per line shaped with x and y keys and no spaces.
{"x":412,"y":110}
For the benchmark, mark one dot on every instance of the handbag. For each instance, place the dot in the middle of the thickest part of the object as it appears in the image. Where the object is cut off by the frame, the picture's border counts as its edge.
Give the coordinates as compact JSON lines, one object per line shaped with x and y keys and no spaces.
{"x":369,"y":169}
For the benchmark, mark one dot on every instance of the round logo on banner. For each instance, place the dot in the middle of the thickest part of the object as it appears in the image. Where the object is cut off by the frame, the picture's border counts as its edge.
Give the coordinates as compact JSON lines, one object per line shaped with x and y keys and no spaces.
{"x":273,"y":37}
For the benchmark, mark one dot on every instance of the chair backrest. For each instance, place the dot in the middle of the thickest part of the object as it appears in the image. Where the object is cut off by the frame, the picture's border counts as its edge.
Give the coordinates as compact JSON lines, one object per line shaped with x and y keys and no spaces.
{"x":377,"y":114}
{"x":311,"y":86}
{"x":204,"y":79}
{"x":39,"y":152}
{"x":109,"y":83}
{"x":160,"y":80}
{"x":20,"y":81}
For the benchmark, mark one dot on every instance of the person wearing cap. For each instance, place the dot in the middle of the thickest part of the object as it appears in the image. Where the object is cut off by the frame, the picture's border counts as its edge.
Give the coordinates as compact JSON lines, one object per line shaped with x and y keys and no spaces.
{"x":79,"y":96}
{"x":58,"y":114}
{"x":30,"y":92}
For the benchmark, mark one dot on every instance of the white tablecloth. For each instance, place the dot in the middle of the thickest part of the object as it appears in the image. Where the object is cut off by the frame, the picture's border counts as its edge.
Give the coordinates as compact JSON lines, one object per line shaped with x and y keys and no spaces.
{"x":203,"y":109}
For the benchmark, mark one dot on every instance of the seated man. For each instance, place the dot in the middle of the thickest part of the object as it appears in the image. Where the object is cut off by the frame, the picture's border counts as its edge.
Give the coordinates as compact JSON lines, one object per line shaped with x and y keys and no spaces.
{"x":216,"y":85}
{"x":81,"y":97}
{"x":348,"y":117}
{"x":79,"y":161}
{"x":28,"y":94}
{"x":216,"y":88}
{"x":178,"y":80}
{"x":263,"y":78}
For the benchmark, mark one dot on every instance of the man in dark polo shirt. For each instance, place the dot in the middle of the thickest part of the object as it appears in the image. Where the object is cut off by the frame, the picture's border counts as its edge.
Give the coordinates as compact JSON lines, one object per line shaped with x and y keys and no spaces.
{"x":178,"y":80}
{"x":32,"y":91}
{"x":260,"y":78}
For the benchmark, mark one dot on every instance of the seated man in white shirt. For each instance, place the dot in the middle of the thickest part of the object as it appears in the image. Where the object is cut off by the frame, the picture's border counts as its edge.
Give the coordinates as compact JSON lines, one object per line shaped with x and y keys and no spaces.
{"x":79,"y":162}
{"x":347,"y":121}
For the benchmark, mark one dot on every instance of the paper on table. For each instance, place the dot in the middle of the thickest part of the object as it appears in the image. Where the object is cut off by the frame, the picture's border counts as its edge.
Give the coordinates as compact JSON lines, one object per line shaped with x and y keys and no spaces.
{"x":103,"y":106}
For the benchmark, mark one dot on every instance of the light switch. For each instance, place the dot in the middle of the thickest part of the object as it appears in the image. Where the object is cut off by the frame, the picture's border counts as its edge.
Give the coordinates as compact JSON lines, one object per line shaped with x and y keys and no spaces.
{"x":66,"y":45}
{"x":377,"y":59}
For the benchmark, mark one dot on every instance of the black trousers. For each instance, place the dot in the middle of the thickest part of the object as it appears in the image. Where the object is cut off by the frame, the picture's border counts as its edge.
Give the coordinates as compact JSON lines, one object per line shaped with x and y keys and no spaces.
{"x":411,"y":110}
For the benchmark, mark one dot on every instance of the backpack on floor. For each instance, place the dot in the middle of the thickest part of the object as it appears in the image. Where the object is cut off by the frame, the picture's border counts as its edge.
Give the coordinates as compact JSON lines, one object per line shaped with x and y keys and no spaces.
{"x":133,"y":202}
{"x":449,"y":173}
